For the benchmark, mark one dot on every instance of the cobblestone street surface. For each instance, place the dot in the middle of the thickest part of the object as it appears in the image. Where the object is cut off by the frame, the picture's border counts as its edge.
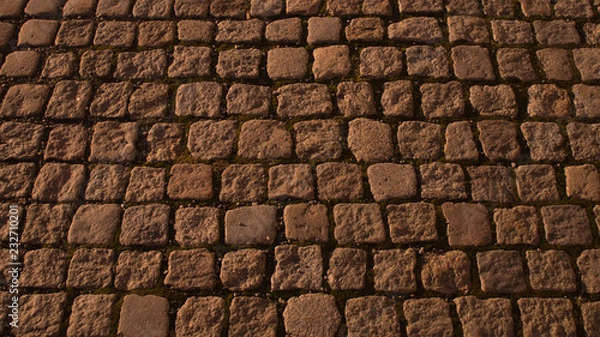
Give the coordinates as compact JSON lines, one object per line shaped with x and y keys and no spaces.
{"x":300,"y":168}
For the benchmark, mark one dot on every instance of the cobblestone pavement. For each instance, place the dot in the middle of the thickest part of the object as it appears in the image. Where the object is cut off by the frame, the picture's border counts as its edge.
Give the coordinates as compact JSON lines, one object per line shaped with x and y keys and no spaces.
{"x":300,"y":167}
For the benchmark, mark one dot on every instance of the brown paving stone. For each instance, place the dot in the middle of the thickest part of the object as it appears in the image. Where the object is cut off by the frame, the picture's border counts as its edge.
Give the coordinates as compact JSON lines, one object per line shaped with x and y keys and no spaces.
{"x":20,"y":64}
{"x":583,"y":182}
{"x":497,"y":100}
{"x":92,"y":315}
{"x":201,"y":316}
{"x":491,"y":183}
{"x":566,"y":225}
{"x":587,"y":101}
{"x":306,"y":223}
{"x":369,"y":140}
{"x":115,"y":33}
{"x":318,"y":140}
{"x":285,"y":31}
{"x":149,"y":100}
{"x":59,"y":182}
{"x":302,"y":7}
{"x":442,"y":181}
{"x":551,"y":270}
{"x":447,"y":273}
{"x":587,"y":263}
{"x":145,"y":225}
{"x":229,"y":8}
{"x":41,"y":312}
{"x":324,"y":30}
{"x":392,"y":181}
{"x":503,"y":8}
{"x":587,"y":61}
{"x":365,"y":30}
{"x":515,"y":63}
{"x":239,"y":63}
{"x":143,"y":65}
{"x":110,"y":100}
{"x":556,"y":64}
{"x":17,"y":179}
{"x":412,"y":222}
{"x":358,"y":223}
{"x":592,"y":33}
{"x":192,"y":269}
{"x":264,"y":139}
{"x":476,"y":314}
{"x":146,"y":184}
{"x":247,"y":99}
{"x":190,"y":181}
{"x":297,"y":268}
{"x":95,"y":224}
{"x":584,"y":140}
{"x":394,"y":270}
{"x":43,"y":8}
{"x":84,"y":8}
{"x":499,"y":140}
{"x":240,"y":31}
{"x":107,"y":183}
{"x":472,"y":63}
{"x":153,"y":9}
{"x":137,"y":270}
{"x":243,"y":269}
{"x":548,"y":101}
{"x":287,"y":63}
{"x":20,"y":140}
{"x":144,"y":316}
{"x":442,"y":100}
{"x":544,"y":140}
{"x":195,"y":30}
{"x":536,"y":183}
{"x":380,"y":62}
{"x":196,"y":226}
{"x":292,"y":100}
{"x":312,"y":315}
{"x":91,"y":268}
{"x":556,"y":32}
{"x":191,"y":8}
{"x":12,"y":8}
{"x":573,"y":9}
{"x":291,"y":181}
{"x":536,"y":7}
{"x":355,"y":99}
{"x":96,"y":63}
{"x":422,"y":30}
{"x":156,"y":33}
{"x":114,"y":8}
{"x":252,"y":316}
{"x":339,"y":181}
{"x":59,"y":65}
{"x":460,"y":143}
{"x":251,"y":225}
{"x":242,"y":183}
{"x":468,"y":29}
{"x":165,"y":142}
{"x":75,"y":33}
{"x":543,"y":316}
{"x":428,"y":317}
{"x":517,"y":225}
{"x":419,"y":140}
{"x":468,"y":224}
{"x":202,"y":99}
{"x":69,"y":100}
{"x":343,"y":8}
{"x":44,"y":268}
{"x":331,"y":62}
{"x":347,"y":269}
{"x":46,"y":224}
{"x":591,"y":318}
{"x":512,"y":31}
{"x":266,"y":9}
{"x":37,"y":33}
{"x":397,"y":99}
{"x":372,"y":316}
{"x":190,"y":62}
{"x":427,"y":61}
{"x":114,"y":142}
{"x":210,"y":140}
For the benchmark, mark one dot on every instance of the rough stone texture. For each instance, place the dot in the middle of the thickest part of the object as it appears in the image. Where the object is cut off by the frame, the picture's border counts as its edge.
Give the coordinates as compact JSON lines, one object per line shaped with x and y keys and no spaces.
{"x":264,"y":139}
{"x":377,"y":7}
{"x":246,"y":99}
{"x":201,"y":316}
{"x":318,"y":140}
{"x":472,"y":63}
{"x":192,"y":269}
{"x":468,"y":224}
{"x":95,"y":224}
{"x":74,"y":8}
{"x":501,"y":272}
{"x":556,"y":32}
{"x":331,"y":62}
{"x":515,"y":64}
{"x":195,"y":226}
{"x":201,"y":99}
{"x":37,"y":33}
{"x":548,"y":101}
{"x":190,"y":62}
{"x":149,"y":100}
{"x":517,"y":225}
{"x":369,"y":140}
{"x":20,"y":140}
{"x":190,"y":181}
{"x":584,"y":140}
{"x":195,"y":30}
{"x":20,"y":64}
{"x":145,"y":184}
{"x":45,"y":224}
{"x":536,"y":183}
{"x":243,"y":269}
{"x":250,"y":225}
{"x":372,"y":316}
{"x":323,"y":30}
{"x":512,"y":31}
{"x":239,"y":63}
{"x":252,"y":316}
{"x":242,"y":183}
{"x":191,"y":8}
{"x":291,"y":181}
{"x":355,"y":99}
{"x":583,"y":182}
{"x":412,"y":222}
{"x":115,"y":34}
{"x":340,"y":181}
{"x":358,"y":223}
{"x":114,"y":142}
{"x":419,"y":140}
{"x":265,"y":9}
{"x":287,"y":63}
{"x":556,"y":64}
{"x":365,"y":30}
{"x":137,"y":270}
{"x":476,"y":314}
{"x":165,"y":142}
{"x":91,"y":268}
{"x":110,"y":100}
{"x":460,"y":144}
{"x":306,"y":222}
{"x":239,"y":31}
{"x":566,"y":225}
{"x":590,"y":276}
{"x":446,"y":273}
{"x":143,"y":65}
{"x":96,"y":63}
{"x":69,"y":100}
{"x":380,"y":62}
{"x":92,"y":315}
{"x":107,"y":183}
{"x":144,"y":316}
{"x":422,"y":30}
{"x":491,"y":183}
{"x":285,"y":31}
{"x":544,"y":140}
{"x":499,"y":140}
{"x":303,"y":99}
{"x":17,"y":179}
{"x":397,"y":99}
{"x":551,"y":271}
{"x":347,"y":269}
{"x":547,"y":316}
{"x":428,"y":317}
{"x":25,"y":100}
{"x":311,"y":315}
{"x":44,"y":268}
{"x":586,"y":101}
{"x":59,"y":183}
{"x":591,"y":318}
{"x":75,"y":33}
{"x":442,"y":181}
{"x":536,"y":7}
{"x":41,"y":312}
{"x":392,"y":181}
{"x":467,"y":29}
{"x":394,"y":270}
{"x":145,"y":225}
{"x":114,"y":8}
{"x":442,"y":100}
{"x":427,"y":61}
{"x":297,"y":268}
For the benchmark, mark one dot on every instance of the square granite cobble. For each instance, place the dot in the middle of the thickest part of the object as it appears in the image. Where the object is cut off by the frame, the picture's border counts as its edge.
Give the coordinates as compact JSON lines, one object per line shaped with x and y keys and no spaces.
{"x":192,"y":269}
{"x":264,"y":139}
{"x":306,"y":223}
{"x":312,"y":315}
{"x":421,"y":30}
{"x":149,"y":100}
{"x":201,"y":99}
{"x":291,"y":181}
{"x":111,"y":99}
{"x":590,"y":277}
{"x":95,"y":224}
{"x":394,"y":270}
{"x":428,"y":317}
{"x":58,"y":182}
{"x":243,"y":269}
{"x":551,"y":271}
{"x":468,"y":224}
{"x":145,"y":225}
{"x":19,"y":179}
{"x":543,"y":316}
{"x":358,"y":223}
{"x":536,"y":183}
{"x":251,"y":225}
{"x":44,"y":268}
{"x":303,"y":100}
{"x":544,"y":140}
{"x":517,"y":225}
{"x":146,"y":184}
{"x":392,"y":181}
{"x":107,"y":183}
{"x":190,"y":181}
{"x":144,"y":315}
{"x":372,"y":316}
{"x":412,"y":222}
{"x":355,"y":99}
{"x":137,"y":270}
{"x":50,"y":306}
{"x":114,"y":142}
{"x":165,"y":142}
{"x":442,"y":100}
{"x":20,"y":140}
{"x":419,"y":140}
{"x":566,"y":225}
{"x":25,"y":100}
{"x":247,"y":99}
{"x":46,"y":223}
{"x":442,"y":181}
{"x":92,"y":315}
{"x":476,"y":314}
{"x":197,"y":226}
{"x":347,"y":269}
{"x":69,"y":100}
{"x":460,"y":142}
{"x":252,"y":315}
{"x":285,"y":31}
{"x":341,"y":181}
{"x":243,"y":183}
{"x":96,"y":63}
{"x":201,"y":315}
{"x":447,"y":273}
{"x":297,"y":268}
{"x":397,"y":98}
{"x":583,"y":182}
{"x":370,"y":140}
{"x":91,"y":268}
